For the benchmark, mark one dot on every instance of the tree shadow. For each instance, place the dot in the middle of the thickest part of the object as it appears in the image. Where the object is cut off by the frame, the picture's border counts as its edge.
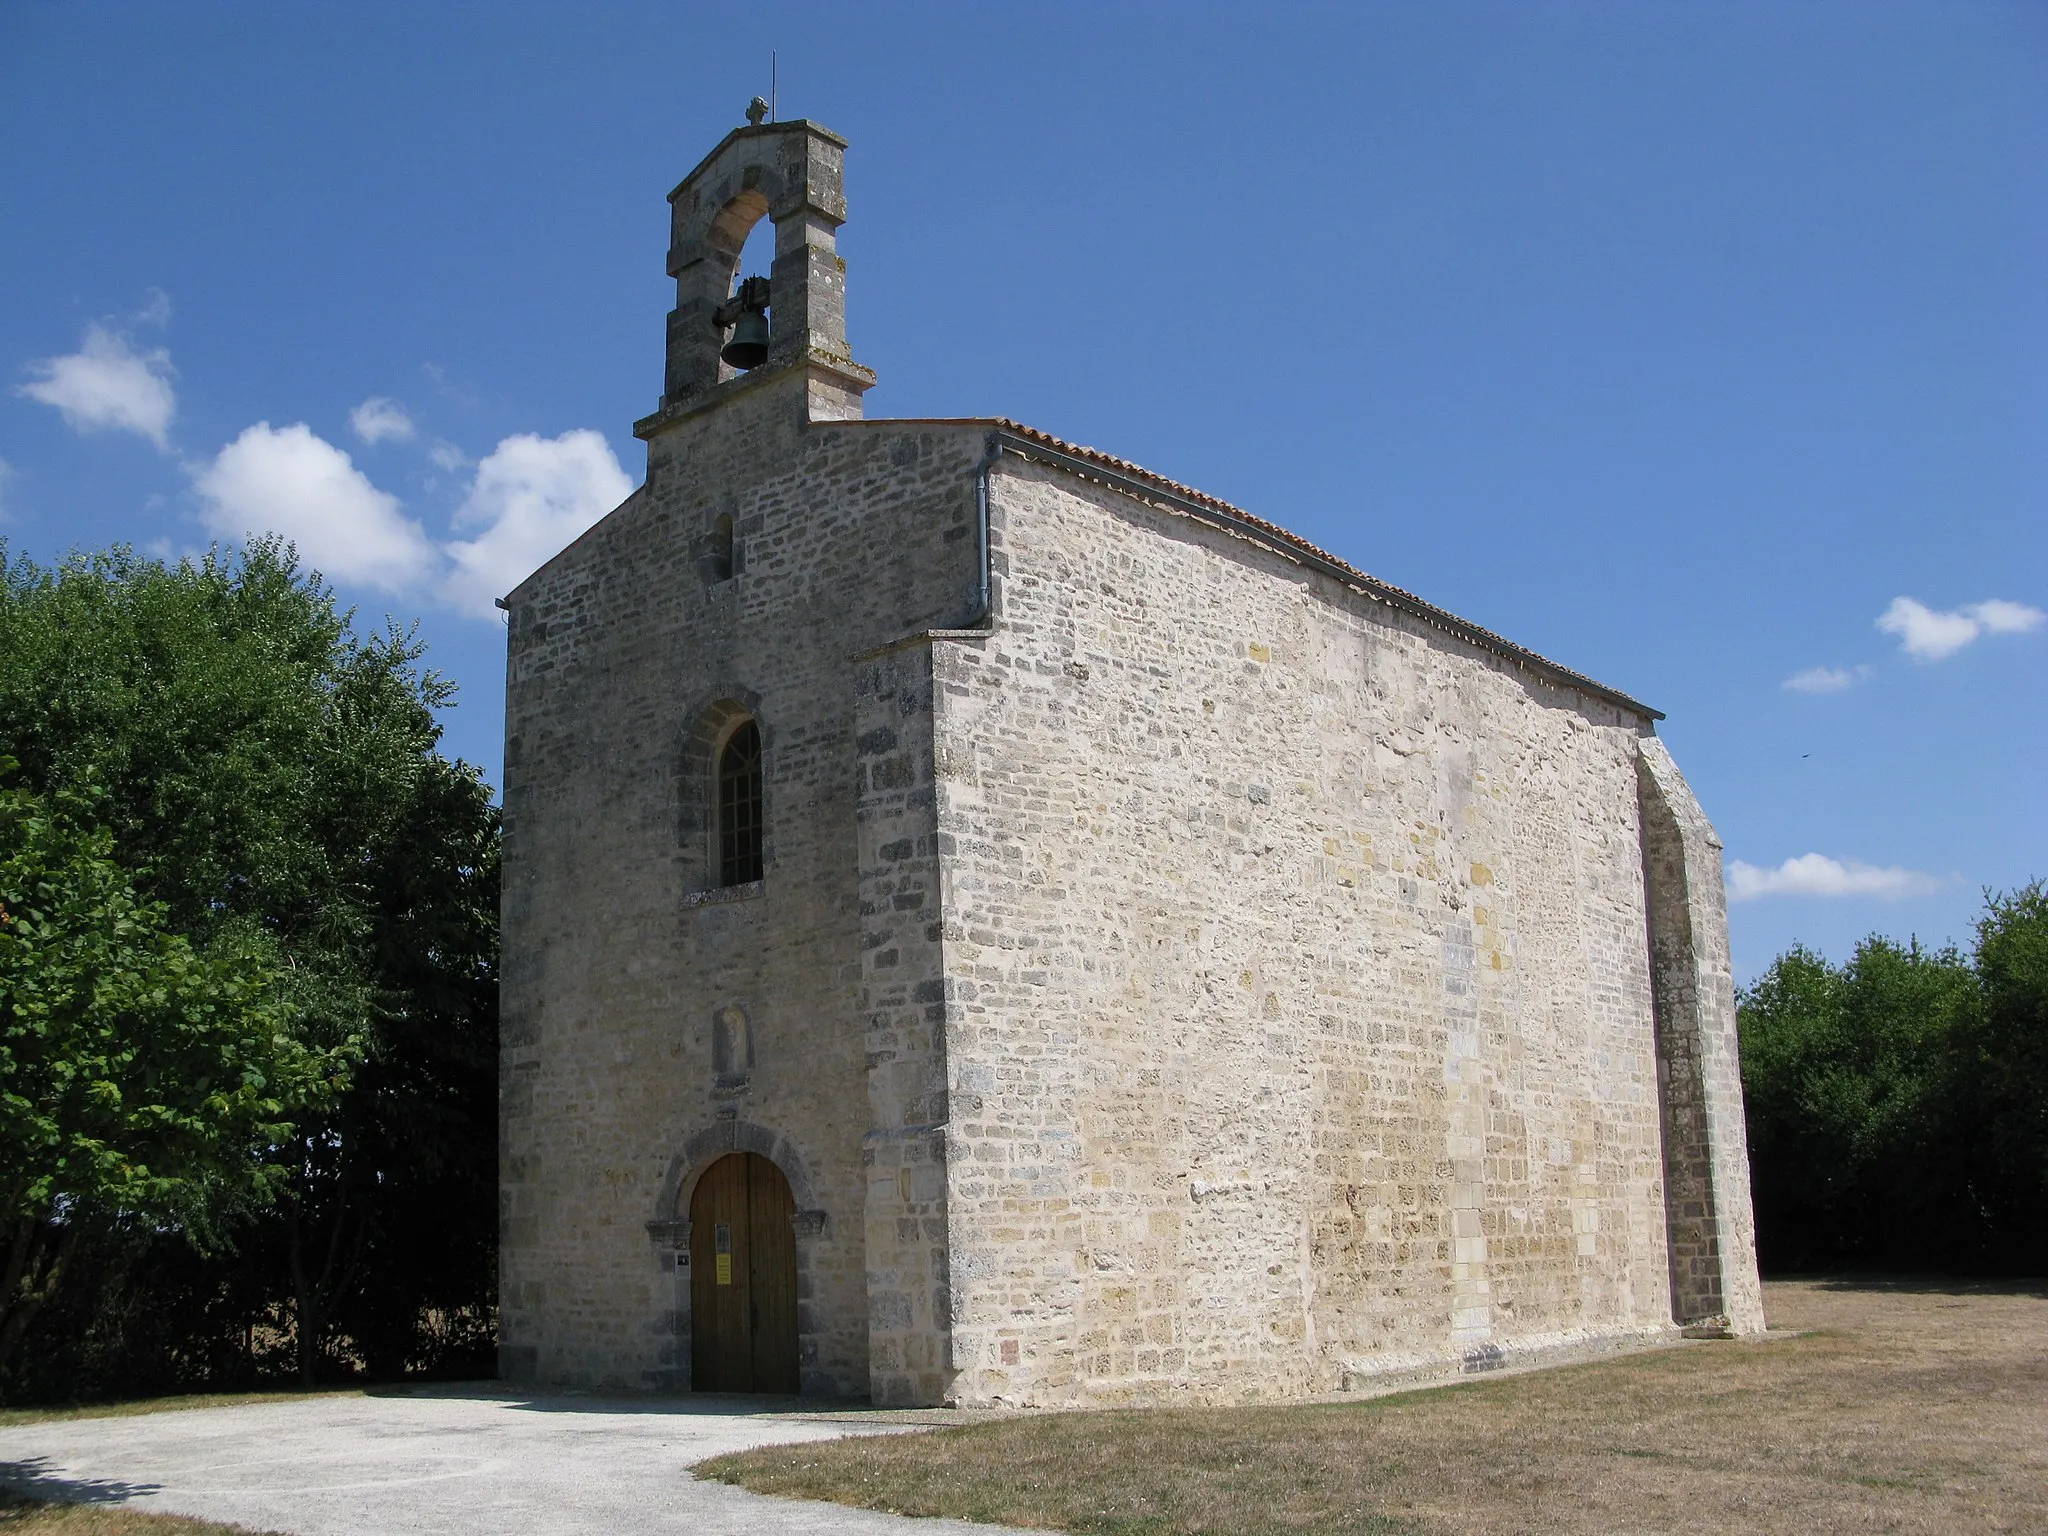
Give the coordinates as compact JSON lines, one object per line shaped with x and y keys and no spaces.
{"x":33,"y":1479}
{"x":687,"y":1405}
{"x":1929,"y":1285}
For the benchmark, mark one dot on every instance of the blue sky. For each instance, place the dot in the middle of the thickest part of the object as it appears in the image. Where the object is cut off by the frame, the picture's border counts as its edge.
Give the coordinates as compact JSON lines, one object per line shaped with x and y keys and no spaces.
{"x":1702,"y":348}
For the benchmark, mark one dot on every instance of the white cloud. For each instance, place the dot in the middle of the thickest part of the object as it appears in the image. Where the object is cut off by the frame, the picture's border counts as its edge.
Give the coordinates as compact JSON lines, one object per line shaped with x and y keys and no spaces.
{"x":381,"y":419}
{"x":2004,"y":618}
{"x":1933,"y":635}
{"x":532,"y":495}
{"x":105,"y":383}
{"x":1925,"y":633}
{"x":157,"y":311}
{"x":287,"y":481}
{"x":1823,"y":679}
{"x":1815,"y":874}
{"x":447,"y":456}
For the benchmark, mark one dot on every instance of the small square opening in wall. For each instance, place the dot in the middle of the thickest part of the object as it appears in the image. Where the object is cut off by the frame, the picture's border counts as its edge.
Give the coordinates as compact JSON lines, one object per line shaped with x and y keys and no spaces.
{"x":718,"y":563}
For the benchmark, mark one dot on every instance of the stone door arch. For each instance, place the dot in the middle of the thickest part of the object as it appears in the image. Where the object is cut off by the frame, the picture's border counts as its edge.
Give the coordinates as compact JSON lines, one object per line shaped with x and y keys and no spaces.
{"x":743,"y":1263}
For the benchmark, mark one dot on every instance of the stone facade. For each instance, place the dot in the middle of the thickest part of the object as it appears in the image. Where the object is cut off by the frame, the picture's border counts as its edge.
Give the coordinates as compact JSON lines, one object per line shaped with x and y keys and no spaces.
{"x":1184,"y":968}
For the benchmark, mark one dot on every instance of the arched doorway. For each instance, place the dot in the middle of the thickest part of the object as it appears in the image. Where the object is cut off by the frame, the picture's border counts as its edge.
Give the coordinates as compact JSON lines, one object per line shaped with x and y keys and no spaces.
{"x":743,"y":1278}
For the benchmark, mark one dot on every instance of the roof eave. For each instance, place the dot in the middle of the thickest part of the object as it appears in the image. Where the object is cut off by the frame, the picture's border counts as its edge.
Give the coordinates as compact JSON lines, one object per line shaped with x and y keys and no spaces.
{"x":1135,"y":480}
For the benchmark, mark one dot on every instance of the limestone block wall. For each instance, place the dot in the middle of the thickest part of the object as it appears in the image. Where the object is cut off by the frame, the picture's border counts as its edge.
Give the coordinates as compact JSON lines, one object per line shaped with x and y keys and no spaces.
{"x":904,"y":1004}
{"x":620,"y":977}
{"x":1300,"y":1018}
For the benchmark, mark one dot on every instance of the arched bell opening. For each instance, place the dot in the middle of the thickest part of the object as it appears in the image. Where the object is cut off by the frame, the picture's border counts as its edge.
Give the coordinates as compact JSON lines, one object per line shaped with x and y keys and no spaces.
{"x":744,"y":240}
{"x":736,"y":228}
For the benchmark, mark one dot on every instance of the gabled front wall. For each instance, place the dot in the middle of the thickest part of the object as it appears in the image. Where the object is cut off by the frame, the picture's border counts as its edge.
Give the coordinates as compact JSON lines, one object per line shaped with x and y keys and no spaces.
{"x":623,"y":657}
{"x":1299,"y":1016}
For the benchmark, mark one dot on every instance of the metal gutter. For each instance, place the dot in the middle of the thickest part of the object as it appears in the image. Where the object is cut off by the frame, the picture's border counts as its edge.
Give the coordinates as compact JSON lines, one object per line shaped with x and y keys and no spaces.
{"x":985,"y":596}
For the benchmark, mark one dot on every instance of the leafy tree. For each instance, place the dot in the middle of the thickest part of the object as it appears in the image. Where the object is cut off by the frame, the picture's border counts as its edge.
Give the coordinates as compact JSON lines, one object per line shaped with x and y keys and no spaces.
{"x":2008,"y":1109}
{"x":264,"y":769}
{"x":1898,"y":1104}
{"x":141,"y":1077}
{"x":392,"y":1230}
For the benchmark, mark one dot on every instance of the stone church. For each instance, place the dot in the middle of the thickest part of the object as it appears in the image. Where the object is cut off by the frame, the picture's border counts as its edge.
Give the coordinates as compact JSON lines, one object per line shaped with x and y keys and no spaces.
{"x":985,"y":923}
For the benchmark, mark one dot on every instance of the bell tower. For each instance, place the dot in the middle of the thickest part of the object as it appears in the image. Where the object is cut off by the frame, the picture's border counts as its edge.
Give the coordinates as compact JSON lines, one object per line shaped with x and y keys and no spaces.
{"x":791,"y":173}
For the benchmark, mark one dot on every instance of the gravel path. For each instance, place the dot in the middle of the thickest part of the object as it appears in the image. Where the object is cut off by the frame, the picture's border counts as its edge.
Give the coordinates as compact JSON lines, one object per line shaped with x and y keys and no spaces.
{"x":457,"y":1462}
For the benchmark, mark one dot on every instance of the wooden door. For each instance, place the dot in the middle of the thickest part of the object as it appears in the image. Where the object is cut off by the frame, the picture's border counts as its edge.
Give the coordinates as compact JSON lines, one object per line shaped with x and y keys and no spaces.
{"x":743,"y":1278}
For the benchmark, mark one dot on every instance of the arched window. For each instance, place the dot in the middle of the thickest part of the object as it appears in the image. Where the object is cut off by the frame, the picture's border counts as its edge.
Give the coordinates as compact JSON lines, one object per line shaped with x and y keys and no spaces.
{"x":739,"y":806}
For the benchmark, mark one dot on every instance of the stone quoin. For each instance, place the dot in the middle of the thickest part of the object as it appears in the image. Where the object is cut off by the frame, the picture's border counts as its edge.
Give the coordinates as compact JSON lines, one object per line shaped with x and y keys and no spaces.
{"x":987,"y":924}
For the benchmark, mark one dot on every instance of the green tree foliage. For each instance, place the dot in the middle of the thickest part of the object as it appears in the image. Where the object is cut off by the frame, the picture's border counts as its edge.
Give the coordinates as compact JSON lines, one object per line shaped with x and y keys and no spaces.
{"x":2008,"y":1108}
{"x":260,"y":769}
{"x":1898,"y":1104}
{"x":141,"y":1077}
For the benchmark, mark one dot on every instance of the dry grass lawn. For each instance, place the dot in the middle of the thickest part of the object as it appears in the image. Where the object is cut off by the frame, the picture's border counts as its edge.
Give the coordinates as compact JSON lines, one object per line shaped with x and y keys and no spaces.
{"x":21,"y":1516}
{"x":1906,"y":1408}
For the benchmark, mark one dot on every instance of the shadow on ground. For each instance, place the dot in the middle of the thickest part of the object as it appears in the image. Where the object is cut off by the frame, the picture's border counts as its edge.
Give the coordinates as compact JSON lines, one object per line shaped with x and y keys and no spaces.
{"x":32,"y":1480}
{"x":721,"y":1405}
{"x":1924,"y":1285}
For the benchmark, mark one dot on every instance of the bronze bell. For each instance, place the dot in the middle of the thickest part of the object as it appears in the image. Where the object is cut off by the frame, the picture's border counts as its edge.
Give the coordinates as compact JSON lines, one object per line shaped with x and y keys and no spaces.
{"x":749,"y":345}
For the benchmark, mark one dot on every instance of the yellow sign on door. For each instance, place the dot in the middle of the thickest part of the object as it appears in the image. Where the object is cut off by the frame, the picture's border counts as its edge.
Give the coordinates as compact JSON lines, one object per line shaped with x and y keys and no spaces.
{"x":725,"y":1269}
